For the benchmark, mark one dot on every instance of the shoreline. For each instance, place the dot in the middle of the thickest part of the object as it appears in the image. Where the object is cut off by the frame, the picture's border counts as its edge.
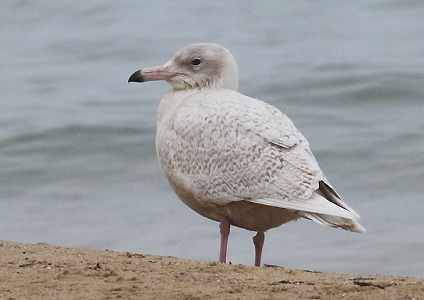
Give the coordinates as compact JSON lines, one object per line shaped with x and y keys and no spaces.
{"x":42,"y":271}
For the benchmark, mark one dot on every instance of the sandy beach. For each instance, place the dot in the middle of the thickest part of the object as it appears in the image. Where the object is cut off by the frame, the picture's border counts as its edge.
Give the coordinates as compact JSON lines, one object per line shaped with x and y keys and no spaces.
{"x":43,"y":271}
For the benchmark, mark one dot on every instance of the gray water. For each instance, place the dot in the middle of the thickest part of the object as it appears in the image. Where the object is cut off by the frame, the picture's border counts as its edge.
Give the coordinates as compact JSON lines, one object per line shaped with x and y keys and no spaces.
{"x":77,"y":158}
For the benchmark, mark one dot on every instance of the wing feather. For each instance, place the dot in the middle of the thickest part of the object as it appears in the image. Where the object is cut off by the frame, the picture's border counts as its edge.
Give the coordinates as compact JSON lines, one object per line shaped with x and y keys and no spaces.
{"x":229,"y":147}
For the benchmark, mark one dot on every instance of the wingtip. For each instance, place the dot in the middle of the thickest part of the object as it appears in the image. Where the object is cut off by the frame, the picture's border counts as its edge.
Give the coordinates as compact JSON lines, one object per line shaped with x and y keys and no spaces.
{"x":358,"y":228}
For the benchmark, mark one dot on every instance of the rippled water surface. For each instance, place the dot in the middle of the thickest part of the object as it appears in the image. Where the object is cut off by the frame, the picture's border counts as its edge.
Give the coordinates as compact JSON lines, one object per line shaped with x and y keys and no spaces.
{"x":77,"y":158}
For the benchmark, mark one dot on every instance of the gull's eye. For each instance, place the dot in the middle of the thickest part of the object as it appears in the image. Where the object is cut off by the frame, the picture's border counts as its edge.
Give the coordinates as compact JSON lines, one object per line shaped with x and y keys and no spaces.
{"x":196,"y":62}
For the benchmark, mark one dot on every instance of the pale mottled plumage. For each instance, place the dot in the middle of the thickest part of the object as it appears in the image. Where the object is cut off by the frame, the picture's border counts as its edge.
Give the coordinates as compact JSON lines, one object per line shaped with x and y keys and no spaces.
{"x":235,"y":159}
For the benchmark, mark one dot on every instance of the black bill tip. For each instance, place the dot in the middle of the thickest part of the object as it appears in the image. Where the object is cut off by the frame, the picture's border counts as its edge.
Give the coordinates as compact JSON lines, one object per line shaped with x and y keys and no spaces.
{"x":136,"y":77}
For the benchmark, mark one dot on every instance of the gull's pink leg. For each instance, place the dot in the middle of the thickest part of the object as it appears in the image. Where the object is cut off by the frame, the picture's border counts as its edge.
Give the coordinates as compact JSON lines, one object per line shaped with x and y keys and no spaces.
{"x":258,"y":241}
{"x":224,"y":227}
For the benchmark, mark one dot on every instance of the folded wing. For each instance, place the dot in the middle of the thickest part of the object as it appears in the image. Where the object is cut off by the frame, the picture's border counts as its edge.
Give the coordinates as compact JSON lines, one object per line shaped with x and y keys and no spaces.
{"x":242,"y":149}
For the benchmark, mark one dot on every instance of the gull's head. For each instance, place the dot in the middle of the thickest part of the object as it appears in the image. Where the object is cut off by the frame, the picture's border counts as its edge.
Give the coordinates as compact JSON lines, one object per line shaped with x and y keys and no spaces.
{"x":196,"y":66}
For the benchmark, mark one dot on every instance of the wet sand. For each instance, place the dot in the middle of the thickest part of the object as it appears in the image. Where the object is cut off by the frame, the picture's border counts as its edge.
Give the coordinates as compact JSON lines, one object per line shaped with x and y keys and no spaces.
{"x":42,"y":271}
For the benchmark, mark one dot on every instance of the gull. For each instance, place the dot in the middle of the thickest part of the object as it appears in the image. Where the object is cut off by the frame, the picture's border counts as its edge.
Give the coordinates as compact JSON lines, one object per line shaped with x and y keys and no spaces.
{"x":235,"y":159}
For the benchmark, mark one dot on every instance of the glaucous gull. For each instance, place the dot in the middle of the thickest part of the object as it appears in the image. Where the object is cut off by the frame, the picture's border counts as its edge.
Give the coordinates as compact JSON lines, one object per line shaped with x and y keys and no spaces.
{"x":235,"y":159}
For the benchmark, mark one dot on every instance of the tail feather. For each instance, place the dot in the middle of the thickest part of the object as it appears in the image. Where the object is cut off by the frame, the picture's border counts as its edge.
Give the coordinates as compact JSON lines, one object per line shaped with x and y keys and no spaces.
{"x":333,"y":221}
{"x":324,"y":207}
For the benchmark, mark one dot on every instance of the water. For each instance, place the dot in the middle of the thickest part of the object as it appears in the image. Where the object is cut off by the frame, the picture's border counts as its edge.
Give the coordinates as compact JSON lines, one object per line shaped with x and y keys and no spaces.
{"x":77,"y":158}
